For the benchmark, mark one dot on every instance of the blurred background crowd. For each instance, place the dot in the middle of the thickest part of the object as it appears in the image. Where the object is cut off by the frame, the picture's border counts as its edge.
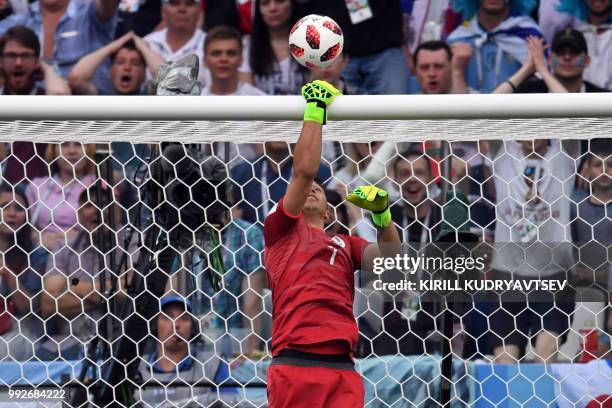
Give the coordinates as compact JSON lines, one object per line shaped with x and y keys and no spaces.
{"x":52,"y":197}
{"x":115,"y":47}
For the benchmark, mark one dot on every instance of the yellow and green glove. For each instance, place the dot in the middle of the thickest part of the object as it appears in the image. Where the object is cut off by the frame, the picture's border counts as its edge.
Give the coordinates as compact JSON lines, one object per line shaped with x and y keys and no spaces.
{"x":375,"y":200}
{"x":319,"y":95}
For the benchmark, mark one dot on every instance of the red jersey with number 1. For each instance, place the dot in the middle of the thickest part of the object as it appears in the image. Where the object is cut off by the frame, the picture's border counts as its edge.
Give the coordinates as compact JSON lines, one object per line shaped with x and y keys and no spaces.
{"x":311,"y":276}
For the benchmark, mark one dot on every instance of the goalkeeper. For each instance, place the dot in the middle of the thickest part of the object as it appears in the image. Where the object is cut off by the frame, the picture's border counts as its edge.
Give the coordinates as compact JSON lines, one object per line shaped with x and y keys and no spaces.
{"x":311,"y":276}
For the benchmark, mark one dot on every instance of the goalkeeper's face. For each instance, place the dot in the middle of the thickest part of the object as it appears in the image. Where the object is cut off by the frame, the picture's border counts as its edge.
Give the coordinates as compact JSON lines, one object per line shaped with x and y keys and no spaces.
{"x":316,"y":202}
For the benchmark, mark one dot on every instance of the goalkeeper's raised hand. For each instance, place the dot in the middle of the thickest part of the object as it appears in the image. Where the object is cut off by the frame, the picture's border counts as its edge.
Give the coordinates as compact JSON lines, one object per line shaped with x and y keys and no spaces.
{"x":319,"y":95}
{"x":375,"y":200}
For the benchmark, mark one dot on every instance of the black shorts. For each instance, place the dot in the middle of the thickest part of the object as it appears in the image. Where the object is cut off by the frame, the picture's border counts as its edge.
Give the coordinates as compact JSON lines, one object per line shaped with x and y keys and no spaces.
{"x":513,"y":323}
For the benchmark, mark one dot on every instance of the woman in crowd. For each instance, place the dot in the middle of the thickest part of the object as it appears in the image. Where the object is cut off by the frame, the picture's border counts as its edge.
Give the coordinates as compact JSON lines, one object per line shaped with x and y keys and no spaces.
{"x":274,"y":70}
{"x":18,"y":282}
{"x":54,"y":198}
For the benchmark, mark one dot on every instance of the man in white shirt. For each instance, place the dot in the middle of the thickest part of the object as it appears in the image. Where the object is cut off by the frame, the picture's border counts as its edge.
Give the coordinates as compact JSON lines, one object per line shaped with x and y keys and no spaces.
{"x":223,"y":58}
{"x":533,"y":182}
{"x":182,"y":36}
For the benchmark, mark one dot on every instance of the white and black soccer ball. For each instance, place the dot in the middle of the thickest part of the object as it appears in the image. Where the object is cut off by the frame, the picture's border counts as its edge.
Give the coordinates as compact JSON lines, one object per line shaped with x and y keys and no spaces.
{"x":316,"y":41}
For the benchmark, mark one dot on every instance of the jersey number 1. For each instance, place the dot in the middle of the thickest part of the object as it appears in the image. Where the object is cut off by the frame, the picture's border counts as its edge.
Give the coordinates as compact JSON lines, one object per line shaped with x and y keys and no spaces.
{"x":333,"y":255}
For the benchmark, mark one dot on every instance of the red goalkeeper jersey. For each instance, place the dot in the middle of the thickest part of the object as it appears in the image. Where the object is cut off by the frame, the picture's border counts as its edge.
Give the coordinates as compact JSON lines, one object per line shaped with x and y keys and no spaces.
{"x":311,"y":276}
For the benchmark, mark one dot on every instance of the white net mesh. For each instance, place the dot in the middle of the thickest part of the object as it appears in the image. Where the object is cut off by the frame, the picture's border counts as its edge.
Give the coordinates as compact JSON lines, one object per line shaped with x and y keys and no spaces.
{"x":349,"y":130}
{"x":132,"y":271}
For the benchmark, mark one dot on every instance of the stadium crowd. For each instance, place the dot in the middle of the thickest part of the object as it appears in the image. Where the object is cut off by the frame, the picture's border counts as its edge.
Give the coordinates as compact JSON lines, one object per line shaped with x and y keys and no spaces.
{"x":50,"y":196}
{"x":116,"y":46}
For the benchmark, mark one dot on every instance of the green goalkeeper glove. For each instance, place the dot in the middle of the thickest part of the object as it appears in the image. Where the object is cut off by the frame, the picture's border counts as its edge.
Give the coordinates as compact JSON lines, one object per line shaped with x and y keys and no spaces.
{"x":319,"y":95}
{"x":375,"y":200}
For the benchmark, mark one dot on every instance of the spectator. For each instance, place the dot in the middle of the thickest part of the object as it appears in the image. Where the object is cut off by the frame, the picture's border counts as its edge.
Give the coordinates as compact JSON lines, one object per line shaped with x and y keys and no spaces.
{"x":72,"y":284}
{"x":238,"y":306}
{"x":181,"y":36}
{"x":223,"y":55}
{"x":233,"y":13}
{"x":140,"y":16}
{"x":19,"y":283}
{"x":373,"y":41}
{"x":591,"y":228}
{"x":440,"y":69}
{"x":418,"y":212}
{"x":264,"y":182}
{"x":69,"y":30}
{"x":417,"y":216}
{"x":352,"y":175}
{"x":8,"y":7}
{"x":361,"y":169}
{"x":176,"y":359}
{"x":592,"y":18}
{"x":21,"y":69}
{"x":274,"y":70}
{"x":429,"y":21}
{"x":130,"y":56}
{"x":223,"y":58}
{"x":568,"y":59}
{"x":496,"y":31}
{"x":533,"y":207}
{"x":54,"y":198}
{"x":333,"y":74}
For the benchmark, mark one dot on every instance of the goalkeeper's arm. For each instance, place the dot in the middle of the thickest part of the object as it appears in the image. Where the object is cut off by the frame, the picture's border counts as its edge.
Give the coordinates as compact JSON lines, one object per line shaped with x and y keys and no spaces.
{"x":307,"y":153}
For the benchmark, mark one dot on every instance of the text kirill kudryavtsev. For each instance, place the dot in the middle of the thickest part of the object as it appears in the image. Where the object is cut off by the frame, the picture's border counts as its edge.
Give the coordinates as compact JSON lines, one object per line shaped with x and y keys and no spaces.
{"x":472,"y":285}
{"x":454,"y":282}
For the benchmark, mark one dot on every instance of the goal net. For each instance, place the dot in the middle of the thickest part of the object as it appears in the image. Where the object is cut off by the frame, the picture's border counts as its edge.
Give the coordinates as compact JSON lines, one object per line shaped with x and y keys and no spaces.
{"x":132,"y":247}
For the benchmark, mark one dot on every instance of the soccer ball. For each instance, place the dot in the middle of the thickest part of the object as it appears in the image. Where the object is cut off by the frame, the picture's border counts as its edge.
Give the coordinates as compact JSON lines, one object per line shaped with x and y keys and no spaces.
{"x":316,"y":41}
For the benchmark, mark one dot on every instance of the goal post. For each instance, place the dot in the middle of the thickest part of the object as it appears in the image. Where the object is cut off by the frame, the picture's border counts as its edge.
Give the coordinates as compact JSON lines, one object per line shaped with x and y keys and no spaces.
{"x":278,"y":108}
{"x":155,"y":215}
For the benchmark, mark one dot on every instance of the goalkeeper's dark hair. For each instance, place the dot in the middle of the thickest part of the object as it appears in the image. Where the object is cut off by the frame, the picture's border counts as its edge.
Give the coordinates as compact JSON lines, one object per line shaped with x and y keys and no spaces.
{"x":261,"y":56}
{"x":320,"y":182}
{"x":431,"y":46}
